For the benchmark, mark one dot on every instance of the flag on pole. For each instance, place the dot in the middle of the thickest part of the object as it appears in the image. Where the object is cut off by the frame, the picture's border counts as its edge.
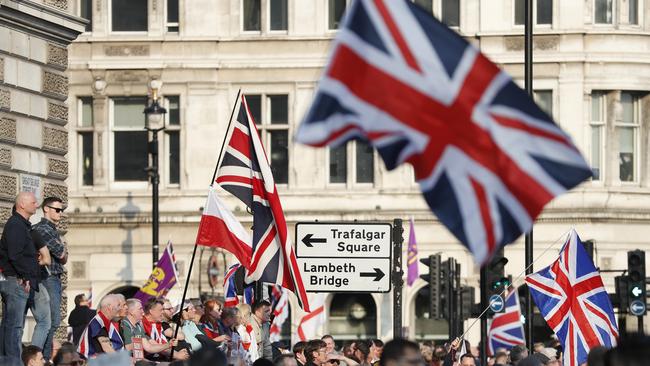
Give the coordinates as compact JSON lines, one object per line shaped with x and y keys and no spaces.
{"x":249,"y":295}
{"x":487,"y":158}
{"x":572,"y":298}
{"x":229,"y":288}
{"x":90,"y":297}
{"x":163,"y":277}
{"x":506,"y":329}
{"x":280,"y":313}
{"x":246,"y":174}
{"x":311,"y":322}
{"x":412,"y":257}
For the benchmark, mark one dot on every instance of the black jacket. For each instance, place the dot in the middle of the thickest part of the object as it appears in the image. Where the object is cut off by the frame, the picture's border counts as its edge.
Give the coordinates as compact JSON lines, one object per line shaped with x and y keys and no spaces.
{"x":17,"y":250}
{"x":79,"y":318}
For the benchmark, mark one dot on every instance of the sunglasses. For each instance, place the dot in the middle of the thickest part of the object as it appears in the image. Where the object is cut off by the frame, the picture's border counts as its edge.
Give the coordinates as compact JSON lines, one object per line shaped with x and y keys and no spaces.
{"x":56,"y":209}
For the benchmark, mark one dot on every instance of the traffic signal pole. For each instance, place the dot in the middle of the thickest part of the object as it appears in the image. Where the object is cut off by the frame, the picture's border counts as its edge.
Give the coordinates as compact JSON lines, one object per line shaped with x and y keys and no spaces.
{"x":398,"y":281}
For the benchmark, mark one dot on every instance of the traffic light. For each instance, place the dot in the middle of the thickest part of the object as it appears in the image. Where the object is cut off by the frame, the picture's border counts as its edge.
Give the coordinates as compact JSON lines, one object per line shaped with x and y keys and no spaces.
{"x":496,"y":280}
{"x":467,"y":302}
{"x":636,"y":294}
{"x":620,"y":299}
{"x":433,"y":278}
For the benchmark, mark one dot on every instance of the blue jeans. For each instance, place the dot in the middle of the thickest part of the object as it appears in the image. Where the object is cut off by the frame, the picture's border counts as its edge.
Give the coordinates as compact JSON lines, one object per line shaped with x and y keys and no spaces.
{"x":40,"y":307}
{"x":53,"y":285}
{"x":14,"y":301}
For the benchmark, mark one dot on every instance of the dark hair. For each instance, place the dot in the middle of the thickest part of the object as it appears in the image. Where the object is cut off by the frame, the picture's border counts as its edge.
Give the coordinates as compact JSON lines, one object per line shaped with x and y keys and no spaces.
{"x":326,"y":336}
{"x":262,"y":362}
{"x":313,"y":346}
{"x":64,"y":350}
{"x":151,"y":303}
{"x":78,"y":299}
{"x":229,"y":312}
{"x":394,"y":350}
{"x":299,"y":347}
{"x":50,"y":200}
{"x":29,"y":352}
{"x":208,"y":356}
{"x":632,"y":350}
{"x":465,"y":356}
{"x":259,"y":304}
{"x":364,"y":348}
{"x":279,"y":361}
{"x":377,"y":343}
{"x":516,"y":353}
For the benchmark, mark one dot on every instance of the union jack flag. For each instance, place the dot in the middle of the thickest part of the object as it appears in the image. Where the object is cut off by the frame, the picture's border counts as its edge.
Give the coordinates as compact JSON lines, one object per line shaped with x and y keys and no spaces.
{"x":506,"y":329}
{"x":249,"y":295}
{"x":229,"y":288}
{"x":570,"y":295}
{"x":245,"y":172}
{"x":280,"y":314}
{"x":487,"y":158}
{"x":86,"y":346}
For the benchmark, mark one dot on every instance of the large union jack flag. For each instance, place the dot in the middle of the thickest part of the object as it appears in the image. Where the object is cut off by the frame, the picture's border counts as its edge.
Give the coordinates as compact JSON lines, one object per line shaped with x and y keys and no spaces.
{"x":506,"y":329}
{"x":487,"y":158}
{"x":245,"y":172}
{"x":570,"y":295}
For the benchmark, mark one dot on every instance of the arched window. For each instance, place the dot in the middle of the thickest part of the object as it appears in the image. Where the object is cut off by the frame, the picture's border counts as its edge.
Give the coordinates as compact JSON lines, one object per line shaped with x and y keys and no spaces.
{"x":353,"y":316}
{"x":127,"y":291}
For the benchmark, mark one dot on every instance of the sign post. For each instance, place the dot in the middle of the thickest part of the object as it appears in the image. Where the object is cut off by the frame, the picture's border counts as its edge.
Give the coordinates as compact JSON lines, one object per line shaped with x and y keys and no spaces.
{"x":344,"y":257}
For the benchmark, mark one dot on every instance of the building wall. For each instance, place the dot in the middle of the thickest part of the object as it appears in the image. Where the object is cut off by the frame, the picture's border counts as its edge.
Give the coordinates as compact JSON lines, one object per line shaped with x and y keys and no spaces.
{"x":211,"y":57}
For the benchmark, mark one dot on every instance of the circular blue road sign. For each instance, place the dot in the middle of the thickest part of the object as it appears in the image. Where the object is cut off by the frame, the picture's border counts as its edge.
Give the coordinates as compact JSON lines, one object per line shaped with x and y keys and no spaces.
{"x":496,"y":303}
{"x":637,"y":307}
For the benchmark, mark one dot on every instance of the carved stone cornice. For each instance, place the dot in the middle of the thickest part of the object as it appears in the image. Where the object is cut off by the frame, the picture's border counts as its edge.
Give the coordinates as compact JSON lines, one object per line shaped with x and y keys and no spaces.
{"x":55,"y":140}
{"x":57,"y":113}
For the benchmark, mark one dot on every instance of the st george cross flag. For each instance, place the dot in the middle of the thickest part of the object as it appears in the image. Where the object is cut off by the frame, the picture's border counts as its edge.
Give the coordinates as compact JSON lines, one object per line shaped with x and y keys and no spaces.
{"x":229,"y":288}
{"x":487,"y":158}
{"x":506,"y":329}
{"x":245,"y":173}
{"x":311,"y":323}
{"x":570,"y":295}
{"x":163,"y":277}
{"x":412,"y":257}
{"x":280,"y":315}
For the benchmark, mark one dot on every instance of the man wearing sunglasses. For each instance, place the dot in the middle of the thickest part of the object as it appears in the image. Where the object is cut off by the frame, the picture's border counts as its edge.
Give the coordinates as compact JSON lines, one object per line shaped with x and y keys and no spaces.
{"x":45,"y":233}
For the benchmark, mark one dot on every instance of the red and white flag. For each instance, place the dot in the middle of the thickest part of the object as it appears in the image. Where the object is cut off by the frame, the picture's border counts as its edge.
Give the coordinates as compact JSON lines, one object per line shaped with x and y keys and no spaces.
{"x":219,"y":228}
{"x":280,"y":313}
{"x":311,"y":323}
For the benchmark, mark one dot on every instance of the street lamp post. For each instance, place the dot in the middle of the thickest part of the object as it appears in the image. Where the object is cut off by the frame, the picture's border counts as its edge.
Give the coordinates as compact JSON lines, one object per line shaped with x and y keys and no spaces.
{"x":154,"y":122}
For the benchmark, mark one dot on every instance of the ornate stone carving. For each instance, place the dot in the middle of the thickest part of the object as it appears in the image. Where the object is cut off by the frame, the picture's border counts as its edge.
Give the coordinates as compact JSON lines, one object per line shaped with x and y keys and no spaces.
{"x":515,"y":43}
{"x":59,"y":4}
{"x":58,"y":168}
{"x":5,"y":214}
{"x":55,"y":140}
{"x":8,"y":186}
{"x":2,"y":69}
{"x":8,"y":129}
{"x":55,"y":84}
{"x":5,"y":157}
{"x":543,"y":43}
{"x":5,"y":99}
{"x":127,"y":50}
{"x":57,"y":113}
{"x":62,"y":227}
{"x":79,"y":269}
{"x":57,"y":56}
{"x":56,"y":190}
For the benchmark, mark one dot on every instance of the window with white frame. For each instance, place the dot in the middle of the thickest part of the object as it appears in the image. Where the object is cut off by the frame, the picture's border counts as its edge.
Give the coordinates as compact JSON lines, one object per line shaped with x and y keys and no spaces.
{"x":85,"y":139}
{"x":277,"y":13}
{"x":627,"y":130}
{"x":352,"y":163}
{"x":603,"y":11}
{"x":271,"y":115}
{"x":633,"y":12}
{"x":542,"y":12}
{"x":544,"y":99}
{"x":335,"y":10}
{"x":130,"y":139}
{"x":173,"y":140}
{"x":172,"y":24}
{"x":129,"y":15}
{"x":597,"y":125}
{"x":86,"y":12}
{"x":450,"y":12}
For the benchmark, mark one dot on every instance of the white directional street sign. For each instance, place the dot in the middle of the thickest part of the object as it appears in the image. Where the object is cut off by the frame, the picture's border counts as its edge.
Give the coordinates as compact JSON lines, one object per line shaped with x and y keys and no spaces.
{"x":344,"y":257}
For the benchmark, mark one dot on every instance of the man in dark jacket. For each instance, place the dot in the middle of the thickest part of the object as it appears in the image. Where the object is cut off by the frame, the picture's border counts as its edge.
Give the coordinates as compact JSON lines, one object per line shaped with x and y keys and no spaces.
{"x":80,"y":317}
{"x":19,"y":264}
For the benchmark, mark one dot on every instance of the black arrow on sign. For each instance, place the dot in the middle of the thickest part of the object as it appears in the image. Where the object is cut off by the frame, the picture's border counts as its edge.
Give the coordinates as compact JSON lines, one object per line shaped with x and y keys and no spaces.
{"x":377,"y":274}
{"x":308,"y":240}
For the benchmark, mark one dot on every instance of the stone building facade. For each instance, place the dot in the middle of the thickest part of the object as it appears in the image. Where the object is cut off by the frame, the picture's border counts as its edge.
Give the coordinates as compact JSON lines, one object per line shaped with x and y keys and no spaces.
{"x":34,"y":39}
{"x":274,"y":50}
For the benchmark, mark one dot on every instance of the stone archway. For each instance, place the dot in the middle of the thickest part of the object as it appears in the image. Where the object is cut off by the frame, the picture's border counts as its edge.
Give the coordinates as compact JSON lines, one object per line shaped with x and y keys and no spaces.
{"x":352,"y":316}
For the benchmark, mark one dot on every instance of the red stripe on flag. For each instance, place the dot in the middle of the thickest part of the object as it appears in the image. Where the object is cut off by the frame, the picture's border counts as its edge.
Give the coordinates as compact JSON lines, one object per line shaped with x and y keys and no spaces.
{"x":486,"y":217}
{"x":397,"y":35}
{"x":213,"y":232}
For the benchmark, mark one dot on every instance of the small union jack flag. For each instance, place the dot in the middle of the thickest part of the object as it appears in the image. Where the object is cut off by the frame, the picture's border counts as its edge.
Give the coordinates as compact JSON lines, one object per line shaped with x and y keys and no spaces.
{"x":229,"y":288}
{"x":487,"y":158}
{"x":506,"y":329}
{"x":246,"y":174}
{"x":570,"y":295}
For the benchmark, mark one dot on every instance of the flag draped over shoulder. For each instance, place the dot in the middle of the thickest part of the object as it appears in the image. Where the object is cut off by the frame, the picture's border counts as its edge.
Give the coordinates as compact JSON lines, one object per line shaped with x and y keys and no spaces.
{"x":487,"y":158}
{"x":245,"y":173}
{"x":86,"y":346}
{"x":163,"y":277}
{"x":506,"y":329}
{"x":412,"y":257}
{"x":570,"y":295}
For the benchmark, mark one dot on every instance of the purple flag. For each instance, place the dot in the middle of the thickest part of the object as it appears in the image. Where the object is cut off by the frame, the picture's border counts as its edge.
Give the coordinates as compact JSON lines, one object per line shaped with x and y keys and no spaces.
{"x":412,"y":257}
{"x":163,"y":277}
